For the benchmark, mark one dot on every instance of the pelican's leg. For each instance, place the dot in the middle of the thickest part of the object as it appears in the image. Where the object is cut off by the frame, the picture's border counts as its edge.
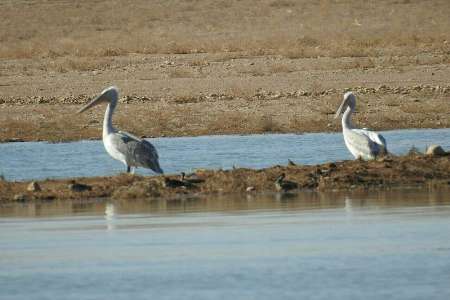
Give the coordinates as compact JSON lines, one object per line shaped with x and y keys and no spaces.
{"x":128,"y":169}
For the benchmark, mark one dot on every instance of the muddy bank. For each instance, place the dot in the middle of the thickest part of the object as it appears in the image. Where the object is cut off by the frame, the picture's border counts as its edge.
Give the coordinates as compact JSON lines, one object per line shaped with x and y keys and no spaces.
{"x":411,"y":170}
{"x":264,"y":111}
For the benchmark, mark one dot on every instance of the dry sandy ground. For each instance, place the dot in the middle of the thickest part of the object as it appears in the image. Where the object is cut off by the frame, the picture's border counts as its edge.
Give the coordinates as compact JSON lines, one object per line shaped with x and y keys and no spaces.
{"x":413,"y":170}
{"x":221,"y":67}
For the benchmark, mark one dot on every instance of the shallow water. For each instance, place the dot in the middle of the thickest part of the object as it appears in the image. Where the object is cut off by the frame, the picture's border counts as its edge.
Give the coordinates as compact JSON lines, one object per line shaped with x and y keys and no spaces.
{"x":391,"y":244}
{"x":25,"y":161}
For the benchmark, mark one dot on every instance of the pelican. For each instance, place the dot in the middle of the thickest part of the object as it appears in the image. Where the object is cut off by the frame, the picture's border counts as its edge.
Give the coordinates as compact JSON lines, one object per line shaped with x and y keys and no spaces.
{"x":362,"y":143}
{"x":125,"y":147}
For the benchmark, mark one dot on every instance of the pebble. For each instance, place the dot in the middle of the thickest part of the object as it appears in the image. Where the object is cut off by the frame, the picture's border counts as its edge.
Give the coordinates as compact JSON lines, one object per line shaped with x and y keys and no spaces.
{"x":435,"y":150}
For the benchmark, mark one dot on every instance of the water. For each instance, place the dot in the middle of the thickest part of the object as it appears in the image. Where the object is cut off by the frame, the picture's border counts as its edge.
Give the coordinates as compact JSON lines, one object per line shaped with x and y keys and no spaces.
{"x":25,"y":161}
{"x":382,"y":245}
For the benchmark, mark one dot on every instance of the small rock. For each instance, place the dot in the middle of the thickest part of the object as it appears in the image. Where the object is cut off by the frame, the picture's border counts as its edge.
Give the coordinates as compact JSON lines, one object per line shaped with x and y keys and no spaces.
{"x":435,"y":150}
{"x":250,"y":189}
{"x":34,"y":187}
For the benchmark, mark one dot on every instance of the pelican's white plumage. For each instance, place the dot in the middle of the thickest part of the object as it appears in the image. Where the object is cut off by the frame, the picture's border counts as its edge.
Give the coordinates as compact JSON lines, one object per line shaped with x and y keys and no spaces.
{"x":125,"y":147}
{"x":362,"y":143}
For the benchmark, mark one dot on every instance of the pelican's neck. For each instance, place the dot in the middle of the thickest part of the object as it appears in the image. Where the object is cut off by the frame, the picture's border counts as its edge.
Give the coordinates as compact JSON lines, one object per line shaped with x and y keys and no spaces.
{"x":107,"y":122}
{"x":346,"y":119}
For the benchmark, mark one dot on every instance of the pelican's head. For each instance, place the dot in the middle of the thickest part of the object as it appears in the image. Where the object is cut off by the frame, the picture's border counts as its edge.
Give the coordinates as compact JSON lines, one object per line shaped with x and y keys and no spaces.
{"x":348,"y":101}
{"x":109,"y":95}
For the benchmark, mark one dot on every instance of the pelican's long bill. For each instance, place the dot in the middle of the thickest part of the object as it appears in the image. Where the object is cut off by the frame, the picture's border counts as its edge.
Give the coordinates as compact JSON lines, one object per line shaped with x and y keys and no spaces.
{"x":341,"y":108}
{"x":95,"y":101}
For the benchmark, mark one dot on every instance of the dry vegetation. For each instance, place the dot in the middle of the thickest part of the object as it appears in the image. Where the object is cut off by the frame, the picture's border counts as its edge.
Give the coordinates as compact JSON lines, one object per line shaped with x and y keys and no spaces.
{"x":221,"y":66}
{"x":296,"y":29}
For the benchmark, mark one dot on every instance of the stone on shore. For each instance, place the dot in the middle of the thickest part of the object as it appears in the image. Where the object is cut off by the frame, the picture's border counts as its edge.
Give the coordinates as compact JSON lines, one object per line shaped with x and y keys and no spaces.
{"x":435,"y":150}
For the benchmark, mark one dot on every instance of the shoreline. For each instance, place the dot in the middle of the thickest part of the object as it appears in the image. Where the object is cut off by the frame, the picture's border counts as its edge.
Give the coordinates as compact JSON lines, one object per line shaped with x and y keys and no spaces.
{"x":413,"y":170}
{"x":99,"y":139}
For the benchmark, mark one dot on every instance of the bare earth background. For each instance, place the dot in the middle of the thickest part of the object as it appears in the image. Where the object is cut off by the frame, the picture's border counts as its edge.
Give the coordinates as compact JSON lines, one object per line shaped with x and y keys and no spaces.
{"x":196,"y":67}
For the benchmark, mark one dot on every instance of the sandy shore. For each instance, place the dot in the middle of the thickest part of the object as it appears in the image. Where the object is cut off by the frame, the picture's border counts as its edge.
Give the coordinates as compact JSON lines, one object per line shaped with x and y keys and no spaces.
{"x":301,"y":100}
{"x":221,"y":67}
{"x":414,"y":170}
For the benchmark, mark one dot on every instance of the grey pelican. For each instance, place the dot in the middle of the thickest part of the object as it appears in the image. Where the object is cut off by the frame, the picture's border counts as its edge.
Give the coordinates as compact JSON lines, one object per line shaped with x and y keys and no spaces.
{"x":362,"y":143}
{"x":125,"y":147}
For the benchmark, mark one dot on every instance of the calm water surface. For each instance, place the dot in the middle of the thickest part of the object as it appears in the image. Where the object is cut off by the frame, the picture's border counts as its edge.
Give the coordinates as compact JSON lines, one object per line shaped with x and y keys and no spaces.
{"x":379,"y":245}
{"x":24,"y":161}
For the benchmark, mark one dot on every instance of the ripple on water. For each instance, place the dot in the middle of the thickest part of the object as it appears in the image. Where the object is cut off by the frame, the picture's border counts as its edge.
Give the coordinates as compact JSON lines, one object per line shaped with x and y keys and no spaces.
{"x":364,"y":245}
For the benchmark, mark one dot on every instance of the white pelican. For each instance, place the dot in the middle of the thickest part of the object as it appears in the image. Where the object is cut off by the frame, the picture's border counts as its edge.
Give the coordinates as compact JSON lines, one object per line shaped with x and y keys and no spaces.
{"x":125,"y":147}
{"x":362,"y":143}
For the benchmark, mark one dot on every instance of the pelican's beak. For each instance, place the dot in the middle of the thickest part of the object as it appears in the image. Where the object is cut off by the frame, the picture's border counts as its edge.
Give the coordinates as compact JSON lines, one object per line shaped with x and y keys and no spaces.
{"x":95,"y":101}
{"x":340,"y":109}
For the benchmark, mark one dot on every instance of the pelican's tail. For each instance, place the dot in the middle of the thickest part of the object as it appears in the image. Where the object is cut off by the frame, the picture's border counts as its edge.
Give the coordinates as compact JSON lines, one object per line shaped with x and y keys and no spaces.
{"x":383,"y":150}
{"x":156,"y":168}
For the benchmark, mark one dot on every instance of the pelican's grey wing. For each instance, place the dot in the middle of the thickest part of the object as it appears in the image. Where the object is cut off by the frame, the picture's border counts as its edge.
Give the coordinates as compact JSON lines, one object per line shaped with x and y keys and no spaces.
{"x":378,"y":138}
{"x":146,"y":156}
{"x":375,"y":141}
{"x":138,"y":152}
